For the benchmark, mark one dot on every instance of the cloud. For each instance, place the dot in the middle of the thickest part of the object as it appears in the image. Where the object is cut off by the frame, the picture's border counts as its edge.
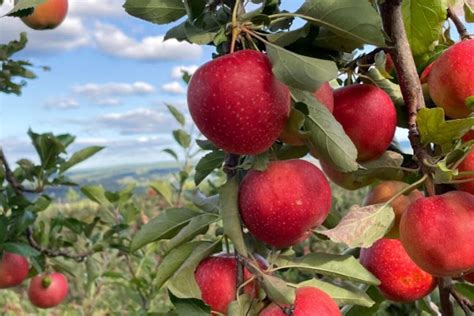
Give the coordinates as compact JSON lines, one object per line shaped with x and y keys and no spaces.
{"x":62,"y":103}
{"x":113,"y":41}
{"x":173,"y":87}
{"x":109,"y":101}
{"x":92,"y":90}
{"x":96,"y":8}
{"x":177,"y":72}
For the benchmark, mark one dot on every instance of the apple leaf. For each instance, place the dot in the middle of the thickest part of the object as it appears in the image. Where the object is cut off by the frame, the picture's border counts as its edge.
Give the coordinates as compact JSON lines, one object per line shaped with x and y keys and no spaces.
{"x":164,"y":189}
{"x":95,"y":193}
{"x":362,"y":226}
{"x":278,"y":290}
{"x":352,"y":19}
{"x":207,"y":164}
{"x":244,"y":306}
{"x":156,"y":11}
{"x":341,"y":266}
{"x":385,"y":167}
{"x":469,"y":12}
{"x":172,"y":261}
{"x":375,"y":295}
{"x":176,"y":114}
{"x":79,"y":156}
{"x":190,"y":306}
{"x":330,"y":40}
{"x":21,"y":249}
{"x":24,"y":7}
{"x":208,"y":204}
{"x":182,"y":138}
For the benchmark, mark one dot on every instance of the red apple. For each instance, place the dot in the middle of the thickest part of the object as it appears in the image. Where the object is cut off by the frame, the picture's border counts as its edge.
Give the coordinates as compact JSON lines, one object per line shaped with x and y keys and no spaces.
{"x":451,"y":79}
{"x":48,"y":290}
{"x":217,"y":278}
{"x":401,"y":279}
{"x":309,"y":301}
{"x":282,"y":204}
{"x":469,"y":277}
{"x":237,"y":102}
{"x":368,"y":117}
{"x":438,"y":233}
{"x":467,"y":165}
{"x":13,"y":270}
{"x":426,"y":73}
{"x":47,"y":15}
{"x":468,"y":136}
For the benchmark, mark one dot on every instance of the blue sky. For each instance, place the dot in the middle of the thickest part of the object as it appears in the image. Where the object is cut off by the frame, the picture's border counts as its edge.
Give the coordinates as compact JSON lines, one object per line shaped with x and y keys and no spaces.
{"x":111,"y":75}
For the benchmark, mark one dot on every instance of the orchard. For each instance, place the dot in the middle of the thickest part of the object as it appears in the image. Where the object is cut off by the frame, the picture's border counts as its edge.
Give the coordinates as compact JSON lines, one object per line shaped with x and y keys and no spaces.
{"x":297,"y":114}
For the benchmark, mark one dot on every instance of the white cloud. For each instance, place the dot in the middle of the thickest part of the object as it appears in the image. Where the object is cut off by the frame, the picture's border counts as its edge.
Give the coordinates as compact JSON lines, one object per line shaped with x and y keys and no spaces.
{"x":136,"y":121}
{"x":92,"y":90}
{"x":113,"y":41}
{"x":109,"y":101}
{"x":61,"y":103}
{"x":96,"y":8}
{"x":173,"y":87}
{"x":177,"y":72}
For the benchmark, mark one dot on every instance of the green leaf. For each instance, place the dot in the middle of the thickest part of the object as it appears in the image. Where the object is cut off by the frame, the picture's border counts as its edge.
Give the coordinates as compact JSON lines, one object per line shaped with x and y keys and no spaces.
{"x":341,"y":266}
{"x":352,"y":19}
{"x":164,"y":189}
{"x":156,"y":11}
{"x":171,"y":152}
{"x":286,"y":38}
{"x":21,"y":249}
{"x":207,"y":164}
{"x":291,"y":152}
{"x":172,"y":262}
{"x":245,"y":306}
{"x":229,"y":210}
{"x":465,"y":289}
{"x":176,"y":114}
{"x":469,"y":12}
{"x":206,"y":144}
{"x":298,"y":71}
{"x":190,"y":306}
{"x":375,"y":295}
{"x":178,"y":32}
{"x":208,"y":204}
{"x":330,"y":40}
{"x":95,"y":193}
{"x":41,"y":204}
{"x":24,"y":7}
{"x":48,"y":148}
{"x":182,"y":138}
{"x":80,"y":156}
{"x":342,"y":296}
{"x":362,"y":226}
{"x":278,"y":290}
{"x":164,"y":226}
{"x":423,"y":20}
{"x":198,"y":35}
{"x":194,"y":8}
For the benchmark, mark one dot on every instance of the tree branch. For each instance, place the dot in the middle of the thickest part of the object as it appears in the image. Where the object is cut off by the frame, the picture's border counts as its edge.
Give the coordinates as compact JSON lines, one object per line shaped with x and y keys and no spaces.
{"x":462,"y":30}
{"x":10,"y":177}
{"x":445,"y":286}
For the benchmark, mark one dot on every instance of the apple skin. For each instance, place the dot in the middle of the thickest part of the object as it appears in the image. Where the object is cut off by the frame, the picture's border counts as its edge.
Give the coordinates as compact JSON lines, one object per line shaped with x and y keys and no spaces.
{"x":401,"y":279}
{"x":451,"y":79}
{"x":13,"y":270}
{"x":383,"y":192}
{"x":50,"y":296}
{"x":438,"y":233}
{"x":465,"y":166}
{"x":237,"y":102}
{"x":217,"y":278}
{"x":368,"y":117}
{"x":308,"y":301}
{"x":282,"y":204}
{"x":346,"y":180}
{"x":469,"y":277}
{"x":468,"y":136}
{"x":48,"y":15}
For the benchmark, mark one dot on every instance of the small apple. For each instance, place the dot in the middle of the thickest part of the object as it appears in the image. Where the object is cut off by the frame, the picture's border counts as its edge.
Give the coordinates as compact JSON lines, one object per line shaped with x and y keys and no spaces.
{"x":401,"y":279}
{"x":281,"y":205}
{"x":438,"y":233}
{"x":47,"y":15}
{"x":13,"y":270}
{"x":237,"y":102}
{"x":48,"y":290}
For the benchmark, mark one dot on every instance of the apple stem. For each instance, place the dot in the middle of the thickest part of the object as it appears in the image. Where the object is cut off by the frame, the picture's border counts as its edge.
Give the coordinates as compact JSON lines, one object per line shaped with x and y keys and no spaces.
{"x":445,"y":286}
{"x":462,"y":30}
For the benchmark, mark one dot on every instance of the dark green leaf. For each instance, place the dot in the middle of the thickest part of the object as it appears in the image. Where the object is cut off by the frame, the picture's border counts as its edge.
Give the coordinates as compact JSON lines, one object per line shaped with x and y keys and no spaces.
{"x":205,"y":144}
{"x":277,"y":290}
{"x":207,"y":164}
{"x":80,"y":156}
{"x":95,"y":193}
{"x":171,"y":152}
{"x":190,"y":306}
{"x":156,"y":11}
{"x":24,"y":7}
{"x":172,"y":262}
{"x":21,"y":249}
{"x":164,"y":189}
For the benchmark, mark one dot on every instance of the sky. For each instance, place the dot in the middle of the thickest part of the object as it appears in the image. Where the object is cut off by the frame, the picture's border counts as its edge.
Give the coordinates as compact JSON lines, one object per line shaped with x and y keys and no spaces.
{"x":111,"y":77}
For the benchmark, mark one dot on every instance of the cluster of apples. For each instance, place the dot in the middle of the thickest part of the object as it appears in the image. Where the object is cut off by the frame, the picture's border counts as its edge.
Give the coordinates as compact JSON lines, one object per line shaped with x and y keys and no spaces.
{"x":45,"y":290}
{"x":47,"y":15}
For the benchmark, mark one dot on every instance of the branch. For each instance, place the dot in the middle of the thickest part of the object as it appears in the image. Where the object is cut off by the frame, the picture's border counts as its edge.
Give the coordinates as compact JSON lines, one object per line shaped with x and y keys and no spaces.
{"x":466,"y":305}
{"x":10,"y":177}
{"x":458,"y":24}
{"x":445,"y":287}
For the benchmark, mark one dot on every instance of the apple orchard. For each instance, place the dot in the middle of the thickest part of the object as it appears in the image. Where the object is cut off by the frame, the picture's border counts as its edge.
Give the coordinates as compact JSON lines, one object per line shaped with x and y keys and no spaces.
{"x":292,"y":106}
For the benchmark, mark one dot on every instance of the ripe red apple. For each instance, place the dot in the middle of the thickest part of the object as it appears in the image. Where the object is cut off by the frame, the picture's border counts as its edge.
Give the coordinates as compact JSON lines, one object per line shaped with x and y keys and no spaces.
{"x":48,"y":290}
{"x":384,"y":191}
{"x":47,"y":15}
{"x":467,"y":165}
{"x":451,"y":79}
{"x":438,"y":233}
{"x":13,"y":270}
{"x":468,"y":136}
{"x":346,"y":180}
{"x":368,"y":117}
{"x":309,"y":301}
{"x":282,"y":204}
{"x":469,"y":277}
{"x":237,"y":102}
{"x":401,"y":279}
{"x":217,"y":278}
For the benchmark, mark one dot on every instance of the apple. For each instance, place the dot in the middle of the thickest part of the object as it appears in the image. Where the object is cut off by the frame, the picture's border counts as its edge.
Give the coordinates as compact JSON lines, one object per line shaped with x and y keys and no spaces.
{"x":237,"y":102}
{"x":368,"y":117}
{"x":47,"y":15}
{"x":468,"y":136}
{"x":346,"y":180}
{"x":217,"y":278}
{"x":469,"y":277}
{"x":467,"y":165}
{"x":48,"y":290}
{"x":308,"y":301}
{"x":438,"y":233}
{"x":13,"y":270}
{"x":401,"y":280}
{"x":384,"y":191}
{"x":281,"y":205}
{"x":451,"y":79}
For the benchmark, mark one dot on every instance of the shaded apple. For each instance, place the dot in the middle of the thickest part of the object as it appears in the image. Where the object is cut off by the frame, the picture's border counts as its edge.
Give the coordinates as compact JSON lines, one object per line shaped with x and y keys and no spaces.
{"x":467,"y":165}
{"x":13,"y":270}
{"x":384,"y":191}
{"x":451,"y":79}
{"x":438,"y":233}
{"x":281,"y":205}
{"x":401,"y":280}
{"x":468,"y":136}
{"x":368,"y":117}
{"x":47,"y":15}
{"x":237,"y":102}
{"x":48,"y":290}
{"x":469,"y":277}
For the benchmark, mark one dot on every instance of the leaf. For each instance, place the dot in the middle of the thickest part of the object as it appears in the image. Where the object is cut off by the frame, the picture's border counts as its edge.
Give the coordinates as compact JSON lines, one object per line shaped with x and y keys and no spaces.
{"x":156,"y":11}
{"x":41,"y":204}
{"x":362,"y":226}
{"x":423,"y":20}
{"x":469,"y":12}
{"x":172,"y":262}
{"x":298,"y":71}
{"x":176,"y":114}
{"x":190,"y":306}
{"x":164,"y":226}
{"x":177,"y":33}
{"x":182,"y":138}
{"x":206,"y":144}
{"x":21,"y":249}
{"x":95,"y":193}
{"x":245,"y":306}
{"x":208,"y":204}
{"x":375,"y":295}
{"x":352,"y":19}
{"x":329,"y":40}
{"x":164,"y":189}
{"x":341,"y":266}
{"x":80,"y":156}
{"x":48,"y":148}
{"x":277,"y":290}
{"x":194,"y":8}
{"x":24,"y":7}
{"x":171,"y":152}
{"x":286,"y":38}
{"x":326,"y":135}
{"x":207,"y":164}
{"x":347,"y":295}
{"x":229,"y":211}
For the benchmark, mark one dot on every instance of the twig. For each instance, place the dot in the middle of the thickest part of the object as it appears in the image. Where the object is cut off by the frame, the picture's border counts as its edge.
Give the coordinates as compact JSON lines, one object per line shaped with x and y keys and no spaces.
{"x":139,"y":290}
{"x":445,"y":287}
{"x":462,"y":30}
{"x":10,"y":177}
{"x":466,"y":305}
